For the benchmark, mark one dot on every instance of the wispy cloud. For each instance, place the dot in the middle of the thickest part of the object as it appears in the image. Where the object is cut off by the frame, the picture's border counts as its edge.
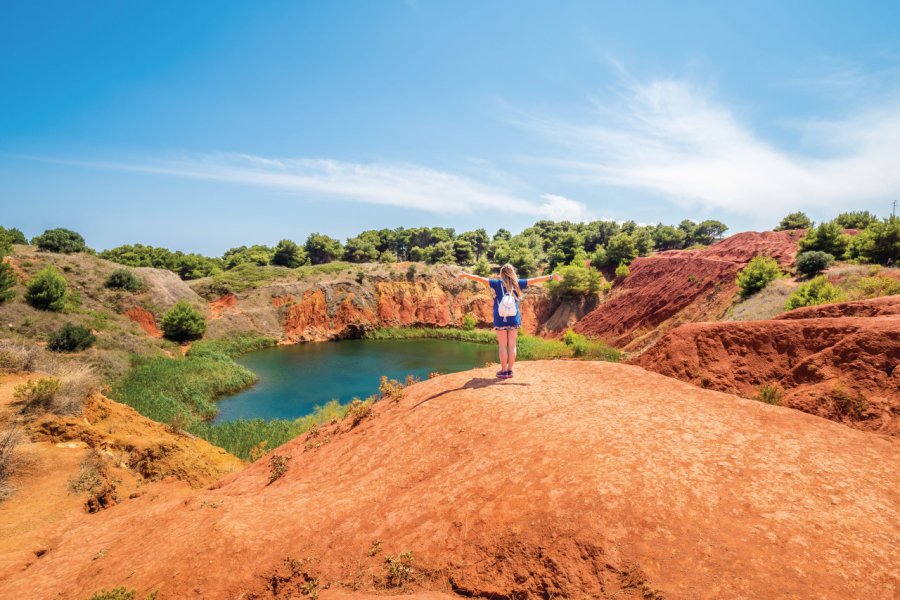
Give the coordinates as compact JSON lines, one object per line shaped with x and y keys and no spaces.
{"x":394,"y":184}
{"x":674,"y":139}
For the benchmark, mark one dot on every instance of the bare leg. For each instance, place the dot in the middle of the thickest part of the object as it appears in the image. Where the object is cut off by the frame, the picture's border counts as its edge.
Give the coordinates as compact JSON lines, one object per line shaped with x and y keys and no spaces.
{"x":511,"y":348}
{"x":503,"y":342}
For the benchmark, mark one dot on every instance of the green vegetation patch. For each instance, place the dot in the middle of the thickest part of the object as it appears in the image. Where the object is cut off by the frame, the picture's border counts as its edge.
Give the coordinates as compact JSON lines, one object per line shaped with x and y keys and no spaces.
{"x":817,"y":291}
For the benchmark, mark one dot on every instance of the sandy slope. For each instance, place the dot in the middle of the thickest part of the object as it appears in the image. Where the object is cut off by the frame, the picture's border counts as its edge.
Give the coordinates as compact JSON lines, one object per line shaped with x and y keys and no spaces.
{"x":578,"y":480}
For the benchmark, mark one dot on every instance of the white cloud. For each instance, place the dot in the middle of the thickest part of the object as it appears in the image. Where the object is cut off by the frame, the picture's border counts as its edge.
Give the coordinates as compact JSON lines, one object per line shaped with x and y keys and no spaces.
{"x":396,"y":184}
{"x":674,"y":139}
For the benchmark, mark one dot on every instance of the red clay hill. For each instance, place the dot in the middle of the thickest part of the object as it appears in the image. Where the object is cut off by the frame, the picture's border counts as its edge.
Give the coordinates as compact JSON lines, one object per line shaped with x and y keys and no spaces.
{"x":572,"y":480}
{"x":667,"y":289}
{"x":838,"y":361}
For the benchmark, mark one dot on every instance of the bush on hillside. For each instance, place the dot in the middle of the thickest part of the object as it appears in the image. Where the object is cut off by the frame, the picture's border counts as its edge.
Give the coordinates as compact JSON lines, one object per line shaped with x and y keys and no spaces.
{"x":125,"y":279}
{"x":388,"y":257}
{"x":183,"y":322}
{"x":759,"y":272}
{"x":7,"y":283}
{"x":12,"y":236}
{"x":258,"y":255}
{"x":816,"y":291}
{"x":576,"y":281}
{"x":47,"y":290}
{"x":878,"y":243}
{"x":795,"y":220}
{"x":813,"y":262}
{"x":827,"y":237}
{"x":323,"y":249}
{"x":874,"y":286}
{"x":469,"y":322}
{"x":482,"y":268}
{"x":60,"y":240}
{"x":621,"y":248}
{"x":70,"y":338}
{"x":622,"y":271}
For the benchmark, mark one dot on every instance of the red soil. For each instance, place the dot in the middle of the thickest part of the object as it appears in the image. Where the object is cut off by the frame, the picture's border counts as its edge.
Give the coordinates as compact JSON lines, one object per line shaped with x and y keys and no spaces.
{"x":145,"y":319}
{"x":838,"y":367}
{"x":670,"y":288}
{"x":574,"y":479}
{"x":217,"y":307}
{"x":16,"y":265}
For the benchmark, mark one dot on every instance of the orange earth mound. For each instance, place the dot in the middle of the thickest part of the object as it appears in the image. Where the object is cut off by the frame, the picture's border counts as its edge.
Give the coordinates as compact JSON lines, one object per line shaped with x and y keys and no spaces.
{"x":574,"y":479}
{"x":667,"y":289}
{"x":838,"y":361}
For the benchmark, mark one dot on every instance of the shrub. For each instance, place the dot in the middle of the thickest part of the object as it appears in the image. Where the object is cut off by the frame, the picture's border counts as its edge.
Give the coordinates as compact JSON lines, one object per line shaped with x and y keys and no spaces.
{"x":469,"y":322}
{"x":120,"y":593}
{"x":770,"y":393}
{"x":323,"y":249}
{"x":387,"y":257}
{"x":621,"y":248}
{"x":849,"y":405}
{"x":17,"y":356}
{"x":576,"y":281}
{"x":482,"y":268}
{"x":69,"y":338}
{"x":622,"y":271}
{"x":795,"y":220}
{"x":874,"y":286}
{"x":813,"y":262}
{"x":37,"y":393}
{"x":857,"y":219}
{"x":278,"y":465}
{"x":816,"y":291}
{"x":183,"y":322}
{"x":390,"y":389}
{"x":60,"y":240}
{"x":577,"y":342}
{"x":9,"y":439}
{"x":125,"y":279}
{"x":758,"y":273}
{"x":47,"y":290}
{"x":411,"y":272}
{"x":358,"y":410}
{"x":398,"y":569}
{"x":827,"y":237}
{"x":7,"y":283}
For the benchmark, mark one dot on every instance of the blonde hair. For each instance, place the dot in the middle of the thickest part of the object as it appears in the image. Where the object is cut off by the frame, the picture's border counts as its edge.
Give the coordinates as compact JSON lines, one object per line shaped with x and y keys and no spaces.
{"x":510,"y":279}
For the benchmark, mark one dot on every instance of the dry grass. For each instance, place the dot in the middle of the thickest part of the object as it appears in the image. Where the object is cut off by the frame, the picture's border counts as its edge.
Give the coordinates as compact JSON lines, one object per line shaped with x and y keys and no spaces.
{"x":17,"y":356}
{"x":63,"y":394}
{"x":9,"y":439}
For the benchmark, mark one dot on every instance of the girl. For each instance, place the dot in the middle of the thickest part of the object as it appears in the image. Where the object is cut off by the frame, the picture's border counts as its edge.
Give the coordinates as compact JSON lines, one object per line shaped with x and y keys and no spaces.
{"x":507,"y":328}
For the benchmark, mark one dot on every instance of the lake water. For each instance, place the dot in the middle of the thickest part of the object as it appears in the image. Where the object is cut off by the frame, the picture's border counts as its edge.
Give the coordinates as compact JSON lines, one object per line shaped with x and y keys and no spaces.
{"x":294,"y":379}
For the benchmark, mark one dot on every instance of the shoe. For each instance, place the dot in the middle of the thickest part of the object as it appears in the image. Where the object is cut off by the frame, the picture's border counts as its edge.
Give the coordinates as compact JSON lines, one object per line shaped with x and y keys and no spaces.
{"x":509,"y":374}
{"x":501,"y":374}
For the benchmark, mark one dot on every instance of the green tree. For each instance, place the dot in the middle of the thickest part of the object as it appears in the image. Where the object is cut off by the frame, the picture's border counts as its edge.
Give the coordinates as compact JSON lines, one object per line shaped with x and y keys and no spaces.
{"x":622,"y":271}
{"x":47,"y":290}
{"x":666,"y":237}
{"x":828,"y":237}
{"x":643,"y":240}
{"x":502,"y":234}
{"x":416,"y":254}
{"x":289,"y":254}
{"x":524,"y":261}
{"x":70,"y":338}
{"x":499,"y":251}
{"x":12,"y":236}
{"x":362,"y":248}
{"x":258,"y":254}
{"x":125,"y":279}
{"x":60,"y":240}
{"x":814,"y":292}
{"x":878,"y":243}
{"x":323,"y":249}
{"x":598,"y":233}
{"x":441,"y":253}
{"x":183,"y":322}
{"x":709,"y":231}
{"x":795,"y":220}
{"x":855,"y":219}
{"x":479,"y":240}
{"x":7,"y":282}
{"x":758,"y":273}
{"x":690,"y":230}
{"x":566,"y":249}
{"x":621,"y":248}
{"x":463,"y":252}
{"x":813,"y":262}
{"x":387,"y":257}
{"x":598,"y":258}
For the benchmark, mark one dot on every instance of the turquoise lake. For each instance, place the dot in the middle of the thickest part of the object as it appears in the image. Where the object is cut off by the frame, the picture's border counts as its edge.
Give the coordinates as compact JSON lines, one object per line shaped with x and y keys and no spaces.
{"x":294,"y":379}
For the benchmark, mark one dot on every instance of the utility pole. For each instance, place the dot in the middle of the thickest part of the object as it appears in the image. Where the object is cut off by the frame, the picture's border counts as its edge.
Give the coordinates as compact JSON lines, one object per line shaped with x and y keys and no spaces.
{"x":893,"y":209}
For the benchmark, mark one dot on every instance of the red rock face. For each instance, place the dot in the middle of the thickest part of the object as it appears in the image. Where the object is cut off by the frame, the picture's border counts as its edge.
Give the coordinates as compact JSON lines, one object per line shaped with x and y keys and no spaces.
{"x":839,"y":367}
{"x":573,"y":480}
{"x":217,"y":307}
{"x":16,"y":265}
{"x":679,"y":286}
{"x":145,"y":319}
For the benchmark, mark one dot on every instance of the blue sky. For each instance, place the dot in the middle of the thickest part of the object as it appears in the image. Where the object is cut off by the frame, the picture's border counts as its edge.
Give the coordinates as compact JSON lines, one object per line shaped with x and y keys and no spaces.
{"x":207,"y":124}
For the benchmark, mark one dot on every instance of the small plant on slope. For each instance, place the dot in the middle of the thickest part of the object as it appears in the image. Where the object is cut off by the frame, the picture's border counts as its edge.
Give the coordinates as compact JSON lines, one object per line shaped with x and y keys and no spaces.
{"x":758,"y":273}
{"x":814,"y":292}
{"x":69,"y":338}
{"x":278,"y":465}
{"x":398,"y":569}
{"x":183,"y":322}
{"x":47,"y":290}
{"x":770,"y":393}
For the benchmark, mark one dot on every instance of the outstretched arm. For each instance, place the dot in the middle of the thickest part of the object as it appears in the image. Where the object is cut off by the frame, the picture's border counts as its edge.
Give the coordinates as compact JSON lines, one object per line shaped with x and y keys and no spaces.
{"x":483,"y":280}
{"x":553,"y":276}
